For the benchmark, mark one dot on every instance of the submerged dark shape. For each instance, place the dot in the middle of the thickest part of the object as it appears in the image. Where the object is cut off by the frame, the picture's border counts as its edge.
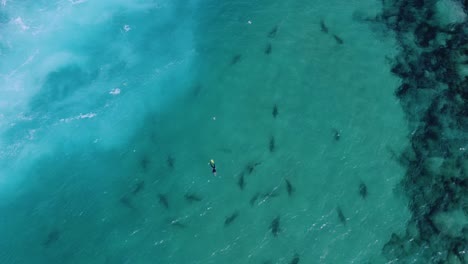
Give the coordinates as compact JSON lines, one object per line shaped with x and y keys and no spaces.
{"x":272,"y":144}
{"x":125,"y":201}
{"x":338,"y":39}
{"x":273,"y":193}
{"x":337,"y":134}
{"x":254,"y":198}
{"x":295,"y":259}
{"x":289,"y":187}
{"x":52,"y":237}
{"x":268,"y":48}
{"x":275,"y":111}
{"x":144,"y":162}
{"x":275,"y":226}
{"x":231,"y":218}
{"x":323,"y":27}
{"x":251,"y":167}
{"x":341,"y":215}
{"x":170,"y":161}
{"x":241,"y":181}
{"x":363,"y":190}
{"x":178,"y":224}
{"x":192,"y":197}
{"x":225,"y":150}
{"x":138,"y":187}
{"x":197,"y":89}
{"x":235,"y":59}
{"x":163,"y":200}
{"x":273,"y":32}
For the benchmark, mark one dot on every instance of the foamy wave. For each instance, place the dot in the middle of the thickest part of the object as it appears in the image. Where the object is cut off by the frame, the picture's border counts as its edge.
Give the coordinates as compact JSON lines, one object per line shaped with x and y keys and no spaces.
{"x":75,"y":2}
{"x":80,"y":116}
{"x":19,"y":21}
{"x":115,"y":91}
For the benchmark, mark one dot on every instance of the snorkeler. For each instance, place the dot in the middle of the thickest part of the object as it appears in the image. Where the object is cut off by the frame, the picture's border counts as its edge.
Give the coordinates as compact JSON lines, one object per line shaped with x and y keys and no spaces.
{"x":213,"y":166}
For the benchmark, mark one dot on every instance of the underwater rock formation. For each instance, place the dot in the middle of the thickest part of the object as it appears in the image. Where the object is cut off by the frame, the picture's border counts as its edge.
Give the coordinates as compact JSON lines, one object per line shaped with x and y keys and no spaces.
{"x":433,"y":94}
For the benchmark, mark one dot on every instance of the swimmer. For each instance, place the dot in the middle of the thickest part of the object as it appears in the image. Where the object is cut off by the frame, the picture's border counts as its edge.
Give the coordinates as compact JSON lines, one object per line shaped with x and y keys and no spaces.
{"x":213,"y":166}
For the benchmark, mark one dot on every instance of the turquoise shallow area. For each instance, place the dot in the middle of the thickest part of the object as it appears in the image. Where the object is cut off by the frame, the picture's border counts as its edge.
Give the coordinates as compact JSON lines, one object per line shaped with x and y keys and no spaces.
{"x":111,"y":111}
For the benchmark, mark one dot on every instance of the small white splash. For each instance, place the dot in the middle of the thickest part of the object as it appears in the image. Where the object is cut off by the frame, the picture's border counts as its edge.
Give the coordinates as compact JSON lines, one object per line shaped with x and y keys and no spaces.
{"x":249,"y":22}
{"x":158,"y":242}
{"x":127,"y":28}
{"x":75,"y":2}
{"x":115,"y":91}
{"x":80,"y":116}
{"x":134,"y":232}
{"x":31,"y":134}
{"x":19,"y":21}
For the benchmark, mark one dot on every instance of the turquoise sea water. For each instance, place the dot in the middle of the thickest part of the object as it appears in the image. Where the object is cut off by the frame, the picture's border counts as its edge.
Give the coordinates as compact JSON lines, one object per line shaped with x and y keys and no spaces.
{"x":111,"y":110}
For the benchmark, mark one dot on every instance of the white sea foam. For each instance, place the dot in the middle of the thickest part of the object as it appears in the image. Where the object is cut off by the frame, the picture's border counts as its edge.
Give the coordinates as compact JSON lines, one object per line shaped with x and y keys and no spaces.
{"x":115,"y":91}
{"x":80,"y":116}
{"x":19,"y":21}
{"x":69,"y":54}
{"x":75,"y":2}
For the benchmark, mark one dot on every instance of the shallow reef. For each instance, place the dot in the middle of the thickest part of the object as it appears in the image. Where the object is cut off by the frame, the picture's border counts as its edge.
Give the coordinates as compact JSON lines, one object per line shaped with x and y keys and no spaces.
{"x":432,"y":65}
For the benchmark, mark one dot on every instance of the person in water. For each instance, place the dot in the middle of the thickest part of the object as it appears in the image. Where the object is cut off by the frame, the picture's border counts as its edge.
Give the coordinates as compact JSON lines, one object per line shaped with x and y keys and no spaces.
{"x":213,"y":167}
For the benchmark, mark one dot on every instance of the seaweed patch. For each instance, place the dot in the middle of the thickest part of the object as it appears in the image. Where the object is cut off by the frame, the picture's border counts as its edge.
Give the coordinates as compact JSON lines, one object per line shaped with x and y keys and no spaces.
{"x":433,"y":95}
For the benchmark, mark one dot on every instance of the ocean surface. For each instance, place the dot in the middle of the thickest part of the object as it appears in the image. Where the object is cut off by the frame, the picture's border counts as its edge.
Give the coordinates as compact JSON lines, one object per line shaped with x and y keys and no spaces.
{"x":338,"y":128}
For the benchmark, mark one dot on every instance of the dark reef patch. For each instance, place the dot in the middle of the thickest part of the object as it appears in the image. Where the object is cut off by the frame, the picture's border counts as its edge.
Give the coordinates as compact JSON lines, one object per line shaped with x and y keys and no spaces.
{"x":433,"y":94}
